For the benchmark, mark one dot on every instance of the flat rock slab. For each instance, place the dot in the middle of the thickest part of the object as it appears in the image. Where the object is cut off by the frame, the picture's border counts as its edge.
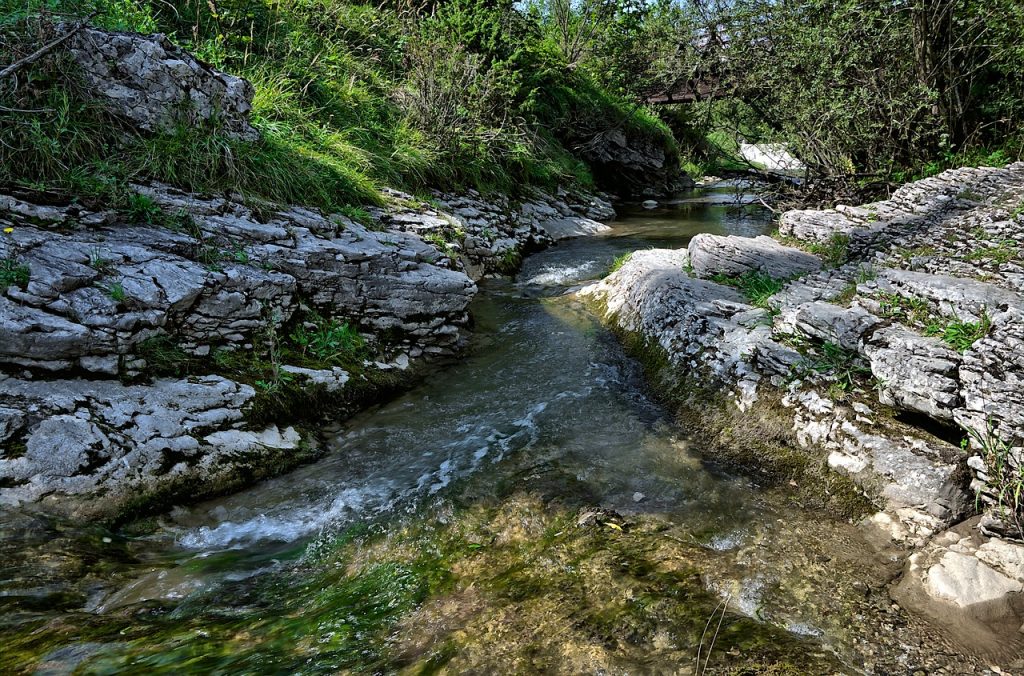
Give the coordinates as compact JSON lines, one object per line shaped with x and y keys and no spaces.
{"x":733,"y":256}
{"x":971,"y":584}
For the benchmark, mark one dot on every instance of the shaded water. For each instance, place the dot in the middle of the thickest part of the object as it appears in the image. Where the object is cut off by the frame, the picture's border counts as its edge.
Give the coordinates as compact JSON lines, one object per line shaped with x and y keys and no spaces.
{"x":444,"y":529}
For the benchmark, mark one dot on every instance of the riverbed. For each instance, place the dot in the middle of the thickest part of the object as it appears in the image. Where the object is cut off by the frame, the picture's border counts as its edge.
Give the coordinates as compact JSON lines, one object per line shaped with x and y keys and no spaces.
{"x":531,"y":509}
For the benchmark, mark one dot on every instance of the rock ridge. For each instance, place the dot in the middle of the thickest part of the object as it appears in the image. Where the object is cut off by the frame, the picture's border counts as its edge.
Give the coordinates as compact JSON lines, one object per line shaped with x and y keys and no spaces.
{"x":898,"y":361}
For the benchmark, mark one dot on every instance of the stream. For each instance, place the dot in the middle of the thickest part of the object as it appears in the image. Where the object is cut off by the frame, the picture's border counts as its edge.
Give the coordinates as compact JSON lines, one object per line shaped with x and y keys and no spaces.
{"x":529,"y":509}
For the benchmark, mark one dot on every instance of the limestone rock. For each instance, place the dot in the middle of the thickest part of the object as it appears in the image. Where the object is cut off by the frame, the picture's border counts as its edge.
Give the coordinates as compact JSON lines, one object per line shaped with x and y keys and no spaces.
{"x":631,"y":164}
{"x":915,"y":372}
{"x":99,"y":444}
{"x":732,"y":256}
{"x":219,"y":287}
{"x":156,"y":85}
{"x":485,"y":236}
{"x":828,"y":323}
{"x":911,"y":271}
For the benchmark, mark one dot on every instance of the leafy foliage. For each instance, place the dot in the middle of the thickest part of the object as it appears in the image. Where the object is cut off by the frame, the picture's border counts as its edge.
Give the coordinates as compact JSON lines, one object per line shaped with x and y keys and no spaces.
{"x":857,"y":87}
{"x":962,"y":335}
{"x":619,"y":261}
{"x":329,"y":341}
{"x":349,"y":97}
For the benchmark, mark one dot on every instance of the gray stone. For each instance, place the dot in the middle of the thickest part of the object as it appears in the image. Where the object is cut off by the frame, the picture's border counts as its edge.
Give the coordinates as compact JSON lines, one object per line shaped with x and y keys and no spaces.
{"x":633,"y":164}
{"x":156,"y":85}
{"x":965,"y":580}
{"x":732,"y":255}
{"x":826,"y":322}
{"x":915,"y":372}
{"x":963,"y":299}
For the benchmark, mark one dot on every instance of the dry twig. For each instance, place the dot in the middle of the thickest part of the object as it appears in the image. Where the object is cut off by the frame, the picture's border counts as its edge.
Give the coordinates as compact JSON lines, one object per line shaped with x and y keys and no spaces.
{"x":45,"y":49}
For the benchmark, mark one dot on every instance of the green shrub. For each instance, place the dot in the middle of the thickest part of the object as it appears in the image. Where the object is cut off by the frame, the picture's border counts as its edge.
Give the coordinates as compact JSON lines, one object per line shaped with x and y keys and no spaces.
{"x":1005,"y":476}
{"x":329,"y":342}
{"x":349,"y":97}
{"x":843,"y":367}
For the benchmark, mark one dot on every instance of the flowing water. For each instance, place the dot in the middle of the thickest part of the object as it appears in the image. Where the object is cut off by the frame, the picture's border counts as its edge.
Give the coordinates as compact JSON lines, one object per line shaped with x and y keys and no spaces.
{"x":530,"y":509}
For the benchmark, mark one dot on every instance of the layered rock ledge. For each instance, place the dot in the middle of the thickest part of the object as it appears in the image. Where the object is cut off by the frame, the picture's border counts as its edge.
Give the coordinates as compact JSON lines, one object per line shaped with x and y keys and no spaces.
{"x":127,"y":337}
{"x":892,"y":353}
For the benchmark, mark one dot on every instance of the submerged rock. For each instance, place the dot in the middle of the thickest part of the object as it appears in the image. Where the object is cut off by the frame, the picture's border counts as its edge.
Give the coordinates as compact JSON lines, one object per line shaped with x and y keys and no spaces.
{"x":970,"y":584}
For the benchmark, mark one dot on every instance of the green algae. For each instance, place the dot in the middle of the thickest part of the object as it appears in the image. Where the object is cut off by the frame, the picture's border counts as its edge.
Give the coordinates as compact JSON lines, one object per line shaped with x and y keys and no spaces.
{"x":510,"y":585}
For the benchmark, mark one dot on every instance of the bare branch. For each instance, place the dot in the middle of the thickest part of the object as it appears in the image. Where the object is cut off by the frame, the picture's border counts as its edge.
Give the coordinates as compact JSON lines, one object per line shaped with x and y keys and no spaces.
{"x":46,"y":49}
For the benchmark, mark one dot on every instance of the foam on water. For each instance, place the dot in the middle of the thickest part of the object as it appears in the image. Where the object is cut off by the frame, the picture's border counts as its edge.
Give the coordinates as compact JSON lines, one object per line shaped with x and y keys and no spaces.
{"x":417,"y":474}
{"x":560,"y":275}
{"x":294,"y":524}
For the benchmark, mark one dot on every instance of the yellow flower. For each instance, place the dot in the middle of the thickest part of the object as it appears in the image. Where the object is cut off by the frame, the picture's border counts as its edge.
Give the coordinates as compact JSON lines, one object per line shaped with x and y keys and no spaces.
{"x":8,"y":230}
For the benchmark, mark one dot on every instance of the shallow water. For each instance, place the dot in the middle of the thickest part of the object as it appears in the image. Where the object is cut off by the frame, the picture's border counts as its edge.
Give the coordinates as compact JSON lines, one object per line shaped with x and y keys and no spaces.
{"x":544,"y":420}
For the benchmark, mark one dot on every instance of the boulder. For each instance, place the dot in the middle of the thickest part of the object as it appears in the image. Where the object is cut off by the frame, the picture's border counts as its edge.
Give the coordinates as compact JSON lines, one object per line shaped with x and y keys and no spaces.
{"x":828,"y":323}
{"x":156,"y":85}
{"x":631,"y":164}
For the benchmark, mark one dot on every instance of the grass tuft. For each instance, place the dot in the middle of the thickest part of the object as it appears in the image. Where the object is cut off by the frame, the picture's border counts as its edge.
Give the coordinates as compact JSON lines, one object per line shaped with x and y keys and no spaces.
{"x":13,"y":273}
{"x":620,"y":261}
{"x":756,"y":286}
{"x":834,"y":252}
{"x":961,"y":335}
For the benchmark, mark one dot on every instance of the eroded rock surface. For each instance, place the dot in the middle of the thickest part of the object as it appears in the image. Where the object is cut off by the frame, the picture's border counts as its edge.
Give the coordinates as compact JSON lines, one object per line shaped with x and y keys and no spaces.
{"x":733,"y":255}
{"x":156,"y":85}
{"x":79,"y":437}
{"x":901,"y":368}
{"x":862,"y":348}
{"x":966,"y":581}
{"x":483,"y":236}
{"x":97,"y":299}
{"x":633,"y":165}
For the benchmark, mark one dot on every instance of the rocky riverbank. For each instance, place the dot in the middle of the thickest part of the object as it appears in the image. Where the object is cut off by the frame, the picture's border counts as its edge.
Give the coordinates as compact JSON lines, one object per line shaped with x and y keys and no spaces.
{"x":883,"y":340}
{"x":170,"y":345}
{"x":171,"y":351}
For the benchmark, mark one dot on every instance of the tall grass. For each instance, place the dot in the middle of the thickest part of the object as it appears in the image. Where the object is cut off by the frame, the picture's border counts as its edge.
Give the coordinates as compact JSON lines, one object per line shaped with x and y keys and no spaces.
{"x":336,"y":84}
